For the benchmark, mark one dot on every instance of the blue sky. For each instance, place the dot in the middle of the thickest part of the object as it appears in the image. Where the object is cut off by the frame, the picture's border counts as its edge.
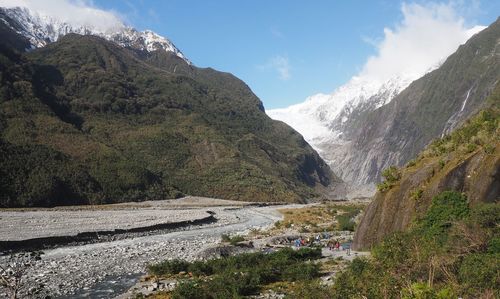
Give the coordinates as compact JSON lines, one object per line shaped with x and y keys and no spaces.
{"x":284,"y":50}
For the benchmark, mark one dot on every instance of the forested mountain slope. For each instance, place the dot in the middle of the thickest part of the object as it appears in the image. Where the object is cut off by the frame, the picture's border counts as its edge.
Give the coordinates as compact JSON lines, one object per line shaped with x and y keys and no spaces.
{"x":84,"y":120}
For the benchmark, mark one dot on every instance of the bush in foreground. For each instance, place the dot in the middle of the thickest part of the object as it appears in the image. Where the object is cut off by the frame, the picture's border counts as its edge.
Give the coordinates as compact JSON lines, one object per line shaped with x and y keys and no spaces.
{"x":241,"y":275}
{"x":450,"y":252}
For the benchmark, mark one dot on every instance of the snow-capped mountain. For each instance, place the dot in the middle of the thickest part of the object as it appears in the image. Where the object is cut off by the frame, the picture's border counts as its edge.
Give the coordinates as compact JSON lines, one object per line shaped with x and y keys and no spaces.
{"x":325,"y":121}
{"x":321,"y":117}
{"x":42,"y":29}
{"x":331,"y":122}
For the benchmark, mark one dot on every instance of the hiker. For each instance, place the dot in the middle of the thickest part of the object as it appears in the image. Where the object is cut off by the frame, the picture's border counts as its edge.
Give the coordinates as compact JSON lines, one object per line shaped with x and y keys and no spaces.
{"x":318,"y":238}
{"x":337,"y":245}
{"x":330,"y":245}
{"x":297,"y":243}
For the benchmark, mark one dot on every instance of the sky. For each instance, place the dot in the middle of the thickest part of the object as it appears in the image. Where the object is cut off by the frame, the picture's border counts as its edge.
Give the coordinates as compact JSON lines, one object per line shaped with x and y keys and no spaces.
{"x":287,"y":50}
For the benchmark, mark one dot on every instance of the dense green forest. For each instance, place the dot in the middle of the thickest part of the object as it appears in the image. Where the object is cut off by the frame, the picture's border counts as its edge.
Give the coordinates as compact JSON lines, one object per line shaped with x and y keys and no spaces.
{"x":83,"y":121}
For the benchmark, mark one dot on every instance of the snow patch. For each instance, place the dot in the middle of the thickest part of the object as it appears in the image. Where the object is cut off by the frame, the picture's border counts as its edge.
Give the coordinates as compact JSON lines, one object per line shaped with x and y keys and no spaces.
{"x":41,"y":29}
{"x":313,"y":117}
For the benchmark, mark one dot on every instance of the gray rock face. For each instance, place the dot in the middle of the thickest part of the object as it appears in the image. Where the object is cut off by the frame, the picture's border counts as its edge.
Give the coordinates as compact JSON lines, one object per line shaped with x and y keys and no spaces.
{"x":475,"y":174}
{"x":429,"y":108}
{"x":366,"y":126}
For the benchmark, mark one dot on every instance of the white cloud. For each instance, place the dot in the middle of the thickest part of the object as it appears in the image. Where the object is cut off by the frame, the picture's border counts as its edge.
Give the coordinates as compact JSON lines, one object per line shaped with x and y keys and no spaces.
{"x":425,"y":37}
{"x":280,"y":64}
{"x":74,"y":12}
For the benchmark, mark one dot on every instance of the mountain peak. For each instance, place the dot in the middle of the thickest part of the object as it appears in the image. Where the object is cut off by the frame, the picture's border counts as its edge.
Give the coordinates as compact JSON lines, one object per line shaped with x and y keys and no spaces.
{"x":41,"y":29}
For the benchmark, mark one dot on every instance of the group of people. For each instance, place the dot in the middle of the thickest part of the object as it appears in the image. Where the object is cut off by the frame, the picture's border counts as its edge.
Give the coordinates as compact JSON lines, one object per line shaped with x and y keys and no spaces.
{"x":331,"y":244}
{"x":334,"y":245}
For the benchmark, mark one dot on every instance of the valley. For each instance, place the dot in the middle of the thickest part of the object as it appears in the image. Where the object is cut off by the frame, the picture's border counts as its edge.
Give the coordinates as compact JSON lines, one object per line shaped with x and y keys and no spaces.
{"x":130,"y":169}
{"x":108,"y":267}
{"x":67,"y":269}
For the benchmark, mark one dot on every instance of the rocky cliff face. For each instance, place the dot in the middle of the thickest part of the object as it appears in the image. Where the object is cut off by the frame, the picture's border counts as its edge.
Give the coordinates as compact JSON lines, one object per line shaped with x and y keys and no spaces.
{"x":467,"y":161}
{"x":430,"y":107}
{"x":367,"y":126}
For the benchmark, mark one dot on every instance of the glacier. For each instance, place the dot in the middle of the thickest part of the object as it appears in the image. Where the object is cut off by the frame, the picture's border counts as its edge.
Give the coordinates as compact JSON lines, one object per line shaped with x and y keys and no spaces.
{"x":326,"y":120}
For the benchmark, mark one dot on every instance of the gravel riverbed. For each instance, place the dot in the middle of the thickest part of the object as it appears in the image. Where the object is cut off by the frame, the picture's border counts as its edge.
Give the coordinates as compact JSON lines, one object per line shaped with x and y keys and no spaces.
{"x":71,"y":270}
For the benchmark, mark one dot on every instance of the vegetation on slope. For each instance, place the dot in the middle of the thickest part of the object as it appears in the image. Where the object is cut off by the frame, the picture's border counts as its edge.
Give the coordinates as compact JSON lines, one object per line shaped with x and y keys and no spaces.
{"x":449,"y":252}
{"x":440,"y":101}
{"x":452,"y":251}
{"x":83,"y":121}
{"x":433,"y":226}
{"x":326,"y":217}
{"x":467,"y":160}
{"x":478,"y":132}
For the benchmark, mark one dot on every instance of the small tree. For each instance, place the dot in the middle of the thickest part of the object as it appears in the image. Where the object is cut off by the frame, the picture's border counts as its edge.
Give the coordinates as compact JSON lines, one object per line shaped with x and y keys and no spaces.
{"x":13,"y":272}
{"x":391,"y":175}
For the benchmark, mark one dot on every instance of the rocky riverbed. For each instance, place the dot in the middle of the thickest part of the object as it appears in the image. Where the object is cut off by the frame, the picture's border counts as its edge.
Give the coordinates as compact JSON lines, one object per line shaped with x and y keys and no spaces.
{"x":76,"y":271}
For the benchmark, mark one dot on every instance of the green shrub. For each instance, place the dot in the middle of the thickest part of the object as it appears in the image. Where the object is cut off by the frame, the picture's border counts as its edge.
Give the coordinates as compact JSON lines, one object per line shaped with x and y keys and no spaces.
{"x":480,"y":271}
{"x":489,"y":149}
{"x":479,"y":130}
{"x":244,"y":274}
{"x":234,"y":285}
{"x":446,"y":293}
{"x":311,"y":290}
{"x":416,"y":194}
{"x":303,"y":254}
{"x":200,"y":268}
{"x":457,"y":245}
{"x":384,"y":186}
{"x":494,"y":245}
{"x":190,"y":289}
{"x":391,"y":175}
{"x":232,"y":240}
{"x":345,"y":222}
{"x":470,"y":147}
{"x":393,"y":250}
{"x":442,"y":163}
{"x":446,"y":208}
{"x":419,"y":291}
{"x":169,"y":267}
{"x":358,"y":266}
{"x":487,"y":215}
{"x":365,"y":279}
{"x":303,"y":271}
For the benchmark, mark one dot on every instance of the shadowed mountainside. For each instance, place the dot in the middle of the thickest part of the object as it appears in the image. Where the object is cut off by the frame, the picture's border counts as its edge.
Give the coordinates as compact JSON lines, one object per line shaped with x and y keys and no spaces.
{"x":84,"y":121}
